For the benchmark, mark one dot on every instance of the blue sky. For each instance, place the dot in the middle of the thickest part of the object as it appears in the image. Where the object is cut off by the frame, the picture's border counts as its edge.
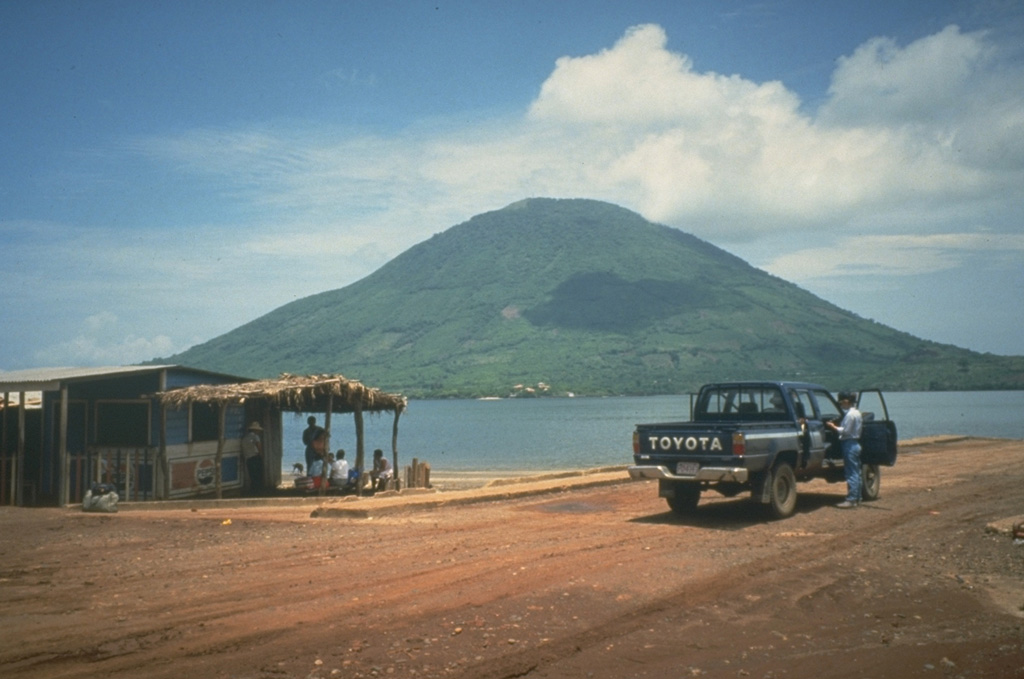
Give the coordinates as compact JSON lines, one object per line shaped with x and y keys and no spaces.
{"x":172,"y":170}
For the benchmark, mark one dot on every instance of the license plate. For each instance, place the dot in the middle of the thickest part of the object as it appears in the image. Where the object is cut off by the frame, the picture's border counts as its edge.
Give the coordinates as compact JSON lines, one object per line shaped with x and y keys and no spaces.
{"x":687,"y":468}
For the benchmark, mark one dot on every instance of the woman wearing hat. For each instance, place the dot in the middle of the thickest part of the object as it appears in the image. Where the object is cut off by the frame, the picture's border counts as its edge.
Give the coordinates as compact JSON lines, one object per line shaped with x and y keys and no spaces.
{"x":252,"y":451}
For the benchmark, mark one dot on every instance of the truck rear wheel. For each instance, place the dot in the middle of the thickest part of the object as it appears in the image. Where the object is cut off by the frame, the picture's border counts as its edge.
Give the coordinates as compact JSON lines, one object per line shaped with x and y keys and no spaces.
{"x":685,"y":498}
{"x":871,"y":481}
{"x":782,"y":492}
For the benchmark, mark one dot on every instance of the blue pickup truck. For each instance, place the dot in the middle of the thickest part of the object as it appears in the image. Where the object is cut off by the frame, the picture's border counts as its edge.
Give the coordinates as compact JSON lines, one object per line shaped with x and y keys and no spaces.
{"x":761,"y":437}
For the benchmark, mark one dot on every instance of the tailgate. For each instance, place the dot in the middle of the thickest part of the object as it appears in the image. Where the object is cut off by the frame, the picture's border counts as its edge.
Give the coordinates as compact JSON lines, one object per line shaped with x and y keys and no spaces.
{"x":676,"y":443}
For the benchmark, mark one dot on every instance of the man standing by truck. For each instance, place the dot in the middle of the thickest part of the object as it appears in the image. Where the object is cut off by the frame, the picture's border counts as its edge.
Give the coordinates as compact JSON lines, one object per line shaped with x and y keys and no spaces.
{"x":849,"y":443}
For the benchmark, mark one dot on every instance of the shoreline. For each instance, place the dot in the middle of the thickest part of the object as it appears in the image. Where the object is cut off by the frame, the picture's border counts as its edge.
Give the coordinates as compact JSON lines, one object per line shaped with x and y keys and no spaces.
{"x":466,"y":479}
{"x":465,"y":487}
{"x":450,"y":480}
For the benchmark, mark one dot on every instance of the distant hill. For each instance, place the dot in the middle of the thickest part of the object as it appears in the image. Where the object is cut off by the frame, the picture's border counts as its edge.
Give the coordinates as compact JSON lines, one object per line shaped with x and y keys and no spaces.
{"x":586,"y":297}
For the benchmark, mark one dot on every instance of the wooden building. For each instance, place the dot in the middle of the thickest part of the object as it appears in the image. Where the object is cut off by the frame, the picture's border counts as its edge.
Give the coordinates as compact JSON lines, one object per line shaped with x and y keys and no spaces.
{"x":157,"y":432}
{"x":73,"y":426}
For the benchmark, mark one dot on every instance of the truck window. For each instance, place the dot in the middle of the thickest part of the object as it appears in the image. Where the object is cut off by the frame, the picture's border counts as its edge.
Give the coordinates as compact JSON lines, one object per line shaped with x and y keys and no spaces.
{"x":871,"y":405}
{"x":827,"y":408}
{"x":741,"y":403}
{"x":802,"y":403}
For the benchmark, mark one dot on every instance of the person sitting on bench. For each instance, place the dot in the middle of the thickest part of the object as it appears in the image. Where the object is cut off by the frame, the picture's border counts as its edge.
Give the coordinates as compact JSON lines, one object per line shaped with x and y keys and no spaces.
{"x":339,"y":470}
{"x":382,"y":470}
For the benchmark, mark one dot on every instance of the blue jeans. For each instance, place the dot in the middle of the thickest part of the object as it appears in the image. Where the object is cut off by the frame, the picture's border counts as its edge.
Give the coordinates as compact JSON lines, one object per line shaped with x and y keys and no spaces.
{"x":851,"y":467}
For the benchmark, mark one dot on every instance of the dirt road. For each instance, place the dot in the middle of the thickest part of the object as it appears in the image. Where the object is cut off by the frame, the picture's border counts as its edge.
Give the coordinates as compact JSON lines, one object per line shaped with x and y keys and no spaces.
{"x":597,"y":582}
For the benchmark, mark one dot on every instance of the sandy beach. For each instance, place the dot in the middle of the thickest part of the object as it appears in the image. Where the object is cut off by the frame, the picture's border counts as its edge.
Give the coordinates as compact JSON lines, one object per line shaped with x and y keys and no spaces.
{"x":452,"y":480}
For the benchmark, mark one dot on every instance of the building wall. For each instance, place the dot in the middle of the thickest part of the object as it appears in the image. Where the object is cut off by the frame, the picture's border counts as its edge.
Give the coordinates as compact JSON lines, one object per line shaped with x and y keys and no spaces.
{"x":114,"y":435}
{"x":193,"y":468}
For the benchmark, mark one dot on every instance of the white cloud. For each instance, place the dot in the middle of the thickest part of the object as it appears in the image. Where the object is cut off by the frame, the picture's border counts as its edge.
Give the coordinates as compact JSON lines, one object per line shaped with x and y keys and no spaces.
{"x":640,"y":82}
{"x":903,"y":255}
{"x":635,"y":124}
{"x":927,"y":81}
{"x":726,"y":157}
{"x":114,"y":297}
{"x":948,"y":94}
{"x":100,"y":341}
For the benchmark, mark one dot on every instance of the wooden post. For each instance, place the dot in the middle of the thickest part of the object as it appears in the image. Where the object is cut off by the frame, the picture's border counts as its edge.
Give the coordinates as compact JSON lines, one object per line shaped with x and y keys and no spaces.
{"x":163,"y":463}
{"x":65,"y":466}
{"x":136,"y":473}
{"x":360,"y":446}
{"x":394,"y":449}
{"x":3,"y":453}
{"x":270,"y":481}
{"x":20,"y":458}
{"x":220,"y":449}
{"x":325,"y":472}
{"x":417,"y":475}
{"x":127,"y":473}
{"x":273,"y":453}
{"x":77,"y":496}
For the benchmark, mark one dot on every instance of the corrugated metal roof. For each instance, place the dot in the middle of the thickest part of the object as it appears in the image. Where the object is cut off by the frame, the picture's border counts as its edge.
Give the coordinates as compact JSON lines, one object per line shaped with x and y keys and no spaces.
{"x":51,"y":379}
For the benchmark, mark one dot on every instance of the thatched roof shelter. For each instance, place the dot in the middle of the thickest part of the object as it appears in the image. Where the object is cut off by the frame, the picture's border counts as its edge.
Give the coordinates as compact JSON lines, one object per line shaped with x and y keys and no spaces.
{"x":296,"y":394}
{"x":293,"y":393}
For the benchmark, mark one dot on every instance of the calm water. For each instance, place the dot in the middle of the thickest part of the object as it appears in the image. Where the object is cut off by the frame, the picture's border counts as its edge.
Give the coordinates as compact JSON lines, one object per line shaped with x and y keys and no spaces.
{"x":564,"y":433}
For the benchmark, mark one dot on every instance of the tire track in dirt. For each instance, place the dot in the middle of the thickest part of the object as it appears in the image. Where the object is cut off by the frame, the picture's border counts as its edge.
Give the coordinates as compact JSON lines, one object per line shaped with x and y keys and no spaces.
{"x":814,"y":568}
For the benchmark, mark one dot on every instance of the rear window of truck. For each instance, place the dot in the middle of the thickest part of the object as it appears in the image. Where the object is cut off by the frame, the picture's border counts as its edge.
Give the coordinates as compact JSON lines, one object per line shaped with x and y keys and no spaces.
{"x":738,"y":403}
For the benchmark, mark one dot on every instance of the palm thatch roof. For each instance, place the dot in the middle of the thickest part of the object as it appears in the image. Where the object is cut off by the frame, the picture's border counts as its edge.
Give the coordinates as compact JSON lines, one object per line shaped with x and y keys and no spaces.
{"x":292,"y":393}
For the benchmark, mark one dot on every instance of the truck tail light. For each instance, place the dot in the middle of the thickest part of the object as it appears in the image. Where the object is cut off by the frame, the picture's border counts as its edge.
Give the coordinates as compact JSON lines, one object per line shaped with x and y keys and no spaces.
{"x":636,"y":443}
{"x":739,"y":444}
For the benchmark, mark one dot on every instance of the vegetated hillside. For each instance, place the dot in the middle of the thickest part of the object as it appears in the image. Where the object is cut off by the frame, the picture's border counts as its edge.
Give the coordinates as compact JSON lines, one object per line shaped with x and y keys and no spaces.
{"x":586,"y":297}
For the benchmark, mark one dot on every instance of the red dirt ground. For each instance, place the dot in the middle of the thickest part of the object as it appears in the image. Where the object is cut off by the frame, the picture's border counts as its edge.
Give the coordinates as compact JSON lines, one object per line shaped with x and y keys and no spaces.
{"x":591,"y":582}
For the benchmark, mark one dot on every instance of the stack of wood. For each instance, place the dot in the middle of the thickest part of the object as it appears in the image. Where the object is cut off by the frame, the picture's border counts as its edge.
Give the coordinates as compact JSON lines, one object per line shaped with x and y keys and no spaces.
{"x":417,"y":474}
